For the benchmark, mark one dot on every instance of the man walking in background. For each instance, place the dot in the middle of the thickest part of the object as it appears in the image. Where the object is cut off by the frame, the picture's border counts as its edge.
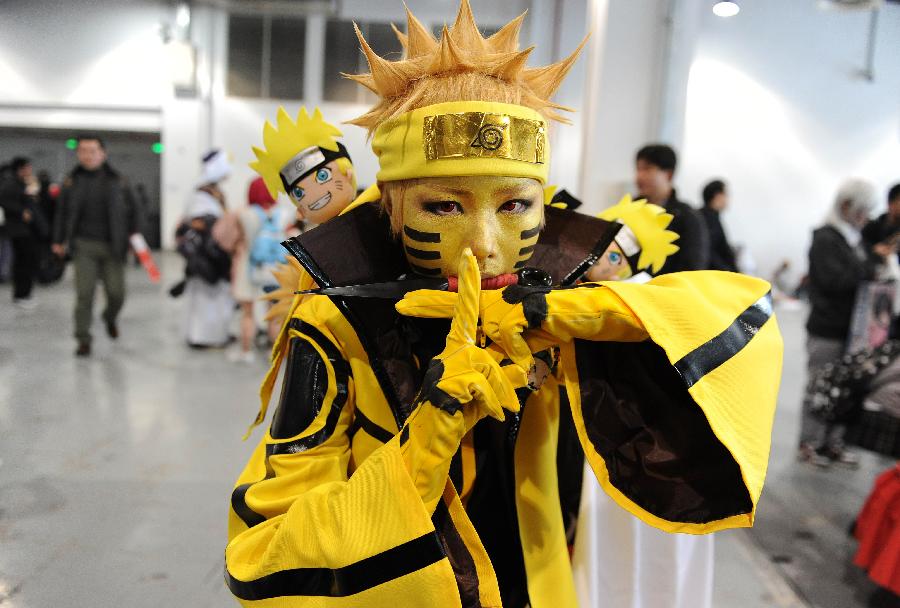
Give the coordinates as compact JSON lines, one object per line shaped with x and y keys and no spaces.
{"x":97,"y":216}
{"x":654,"y":169}
{"x":715,"y":200}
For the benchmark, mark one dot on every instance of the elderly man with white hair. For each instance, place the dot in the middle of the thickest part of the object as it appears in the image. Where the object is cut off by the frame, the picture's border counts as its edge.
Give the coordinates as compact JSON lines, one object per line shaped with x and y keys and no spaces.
{"x":838,"y":263}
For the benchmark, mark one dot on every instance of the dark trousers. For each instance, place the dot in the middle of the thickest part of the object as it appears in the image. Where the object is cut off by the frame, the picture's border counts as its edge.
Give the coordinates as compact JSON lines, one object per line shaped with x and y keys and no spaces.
{"x":24,"y":264}
{"x":820,"y":352}
{"x":95,"y":260}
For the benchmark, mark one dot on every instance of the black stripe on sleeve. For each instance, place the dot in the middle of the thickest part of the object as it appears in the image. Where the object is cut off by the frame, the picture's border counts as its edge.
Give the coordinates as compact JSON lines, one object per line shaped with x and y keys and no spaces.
{"x":422,"y":254}
{"x":422,"y":237}
{"x":707,"y":357}
{"x":531,"y":232}
{"x":239,"y":504}
{"x":360,"y":421}
{"x":342,"y":582}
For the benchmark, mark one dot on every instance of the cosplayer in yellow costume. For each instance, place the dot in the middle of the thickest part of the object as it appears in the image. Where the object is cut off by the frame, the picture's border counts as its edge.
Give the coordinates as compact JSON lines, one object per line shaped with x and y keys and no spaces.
{"x":408,"y":462}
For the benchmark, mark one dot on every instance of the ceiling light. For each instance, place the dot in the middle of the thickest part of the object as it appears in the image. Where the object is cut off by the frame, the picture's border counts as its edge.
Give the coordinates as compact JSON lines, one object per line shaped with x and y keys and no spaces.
{"x":183,"y":16}
{"x":726,"y":9}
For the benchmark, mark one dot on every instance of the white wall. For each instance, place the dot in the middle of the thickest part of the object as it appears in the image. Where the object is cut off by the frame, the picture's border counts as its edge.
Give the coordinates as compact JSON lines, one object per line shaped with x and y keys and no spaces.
{"x":621,"y":96}
{"x":81,"y":64}
{"x":777,"y":108}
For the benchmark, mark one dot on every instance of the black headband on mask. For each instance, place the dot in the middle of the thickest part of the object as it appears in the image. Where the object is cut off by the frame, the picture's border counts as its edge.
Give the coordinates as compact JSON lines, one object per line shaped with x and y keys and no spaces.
{"x":309,"y":161}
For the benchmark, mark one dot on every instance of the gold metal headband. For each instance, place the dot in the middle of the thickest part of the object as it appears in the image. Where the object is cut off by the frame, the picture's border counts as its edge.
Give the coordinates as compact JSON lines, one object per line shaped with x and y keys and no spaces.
{"x":483,"y":135}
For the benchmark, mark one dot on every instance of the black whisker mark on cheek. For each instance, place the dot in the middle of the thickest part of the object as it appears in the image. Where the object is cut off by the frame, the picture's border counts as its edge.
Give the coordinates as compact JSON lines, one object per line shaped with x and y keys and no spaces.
{"x":431,"y":272}
{"x":422,"y":254}
{"x":520,"y":264}
{"x":525,"y":250}
{"x":422,"y":237}
{"x":532,"y":232}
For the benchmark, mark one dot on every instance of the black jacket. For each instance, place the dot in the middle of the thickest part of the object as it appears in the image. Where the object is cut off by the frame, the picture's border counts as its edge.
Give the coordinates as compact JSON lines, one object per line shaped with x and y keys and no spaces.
{"x":835,"y":273}
{"x":123,"y":212}
{"x":880,"y":230}
{"x":721,"y":255}
{"x":15,"y":202}
{"x":693,"y":239}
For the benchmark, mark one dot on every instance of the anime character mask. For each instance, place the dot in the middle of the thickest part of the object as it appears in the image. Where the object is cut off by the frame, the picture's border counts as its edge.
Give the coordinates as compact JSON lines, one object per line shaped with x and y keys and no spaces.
{"x":643,"y":243}
{"x":302,"y":159}
{"x":498,"y":218}
{"x":612,"y":266}
{"x":323,"y":191}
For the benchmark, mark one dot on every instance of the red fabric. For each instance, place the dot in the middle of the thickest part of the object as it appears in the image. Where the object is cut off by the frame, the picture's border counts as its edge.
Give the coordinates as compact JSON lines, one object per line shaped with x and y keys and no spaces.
{"x":878,"y":532}
{"x":259,"y":194}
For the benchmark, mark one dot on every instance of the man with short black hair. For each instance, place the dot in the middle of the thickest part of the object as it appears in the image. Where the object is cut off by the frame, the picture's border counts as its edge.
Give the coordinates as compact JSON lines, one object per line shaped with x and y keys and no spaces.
{"x":96,"y":218}
{"x":654,"y":169}
{"x":715,"y":200}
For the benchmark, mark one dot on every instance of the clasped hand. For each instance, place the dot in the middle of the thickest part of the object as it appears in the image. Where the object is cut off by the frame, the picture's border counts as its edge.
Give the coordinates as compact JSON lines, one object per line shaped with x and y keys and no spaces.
{"x":464,"y":374}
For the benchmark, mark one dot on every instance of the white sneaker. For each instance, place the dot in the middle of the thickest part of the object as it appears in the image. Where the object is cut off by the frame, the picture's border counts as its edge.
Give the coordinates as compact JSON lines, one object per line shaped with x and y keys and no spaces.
{"x":25,"y":303}
{"x":238,"y":356}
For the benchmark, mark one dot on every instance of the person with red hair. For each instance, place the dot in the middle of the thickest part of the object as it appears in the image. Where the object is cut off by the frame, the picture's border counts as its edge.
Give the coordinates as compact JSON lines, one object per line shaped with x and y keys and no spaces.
{"x":261,"y":227}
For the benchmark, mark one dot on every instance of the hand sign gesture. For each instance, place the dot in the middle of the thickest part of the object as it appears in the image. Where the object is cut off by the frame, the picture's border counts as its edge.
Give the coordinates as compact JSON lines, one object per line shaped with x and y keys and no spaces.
{"x":465,"y":376}
{"x":463,"y":384}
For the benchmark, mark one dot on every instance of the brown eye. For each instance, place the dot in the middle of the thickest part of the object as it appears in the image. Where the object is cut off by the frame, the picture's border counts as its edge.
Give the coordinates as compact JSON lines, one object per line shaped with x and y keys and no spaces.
{"x":443,"y":207}
{"x":516,"y":205}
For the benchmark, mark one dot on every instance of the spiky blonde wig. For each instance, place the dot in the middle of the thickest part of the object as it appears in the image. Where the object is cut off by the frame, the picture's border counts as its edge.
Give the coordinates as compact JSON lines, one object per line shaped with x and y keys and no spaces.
{"x":462,"y":66}
{"x":648,"y":222}
{"x":290,"y":137}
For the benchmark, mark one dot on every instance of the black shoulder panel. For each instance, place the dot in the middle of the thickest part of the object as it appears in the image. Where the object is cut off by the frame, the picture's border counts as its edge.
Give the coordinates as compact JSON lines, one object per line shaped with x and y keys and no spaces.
{"x":303,"y":391}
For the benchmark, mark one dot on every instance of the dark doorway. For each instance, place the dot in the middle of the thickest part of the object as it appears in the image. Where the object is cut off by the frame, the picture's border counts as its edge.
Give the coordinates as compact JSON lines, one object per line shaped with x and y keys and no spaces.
{"x":133,"y":154}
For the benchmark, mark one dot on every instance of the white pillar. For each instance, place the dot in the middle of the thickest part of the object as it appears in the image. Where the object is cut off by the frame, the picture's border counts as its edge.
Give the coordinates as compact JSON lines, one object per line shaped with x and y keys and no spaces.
{"x":314,"y":64}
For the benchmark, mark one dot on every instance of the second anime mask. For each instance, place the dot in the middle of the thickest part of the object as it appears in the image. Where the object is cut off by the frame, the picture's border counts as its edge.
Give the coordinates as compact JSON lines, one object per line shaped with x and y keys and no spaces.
{"x":303,"y":160}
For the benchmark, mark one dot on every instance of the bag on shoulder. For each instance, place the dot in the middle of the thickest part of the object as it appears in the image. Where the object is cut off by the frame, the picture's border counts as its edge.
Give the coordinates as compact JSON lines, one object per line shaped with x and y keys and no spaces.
{"x":835,"y":395}
{"x":266,"y":251}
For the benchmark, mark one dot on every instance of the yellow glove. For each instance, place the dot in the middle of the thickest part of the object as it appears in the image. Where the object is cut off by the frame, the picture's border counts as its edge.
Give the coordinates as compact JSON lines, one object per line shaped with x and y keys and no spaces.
{"x":462,"y":385}
{"x":551,"y":316}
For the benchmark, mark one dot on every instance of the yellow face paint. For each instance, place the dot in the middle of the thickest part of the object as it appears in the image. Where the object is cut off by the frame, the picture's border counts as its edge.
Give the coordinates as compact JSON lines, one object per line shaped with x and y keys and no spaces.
{"x":498,"y":218}
{"x":612,"y":266}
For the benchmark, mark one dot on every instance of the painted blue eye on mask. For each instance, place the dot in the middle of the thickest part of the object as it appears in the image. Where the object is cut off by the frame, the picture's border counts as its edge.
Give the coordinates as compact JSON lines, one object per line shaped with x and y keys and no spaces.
{"x":297,"y":192}
{"x":323,"y":175}
{"x":615,"y":257}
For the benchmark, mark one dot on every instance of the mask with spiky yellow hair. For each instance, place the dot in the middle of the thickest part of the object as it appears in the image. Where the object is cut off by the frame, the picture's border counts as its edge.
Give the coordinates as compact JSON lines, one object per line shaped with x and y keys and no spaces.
{"x":642,"y":243}
{"x":303,"y":159}
{"x":461,"y":135}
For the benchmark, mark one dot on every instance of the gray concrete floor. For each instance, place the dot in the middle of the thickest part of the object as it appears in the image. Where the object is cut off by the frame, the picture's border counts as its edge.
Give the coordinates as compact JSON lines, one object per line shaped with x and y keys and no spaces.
{"x":115,"y":471}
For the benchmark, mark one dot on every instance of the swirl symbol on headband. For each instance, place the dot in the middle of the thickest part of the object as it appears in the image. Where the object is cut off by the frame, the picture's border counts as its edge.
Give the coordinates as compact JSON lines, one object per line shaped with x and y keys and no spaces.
{"x":489,"y":137}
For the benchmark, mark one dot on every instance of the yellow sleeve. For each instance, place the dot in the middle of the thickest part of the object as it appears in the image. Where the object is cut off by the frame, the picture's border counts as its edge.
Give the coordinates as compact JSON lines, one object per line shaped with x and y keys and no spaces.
{"x":302,"y":533}
{"x":677,"y":427}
